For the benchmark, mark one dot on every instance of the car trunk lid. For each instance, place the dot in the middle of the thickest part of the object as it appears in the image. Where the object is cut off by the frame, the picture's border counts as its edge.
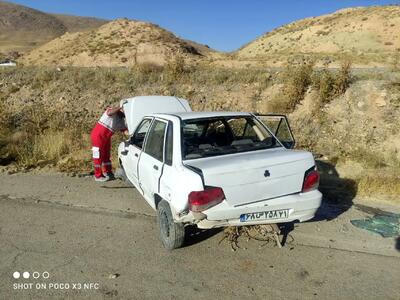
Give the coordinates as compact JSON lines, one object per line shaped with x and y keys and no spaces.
{"x":257,"y":175}
{"x":138,"y":107}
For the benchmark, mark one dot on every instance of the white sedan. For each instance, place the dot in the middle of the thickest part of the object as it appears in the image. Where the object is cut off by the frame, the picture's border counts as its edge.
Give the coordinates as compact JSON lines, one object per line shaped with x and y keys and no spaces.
{"x":215,"y":169}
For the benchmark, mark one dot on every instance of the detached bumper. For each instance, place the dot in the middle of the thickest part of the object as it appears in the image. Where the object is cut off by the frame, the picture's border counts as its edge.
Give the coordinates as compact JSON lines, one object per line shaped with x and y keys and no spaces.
{"x":301,"y":207}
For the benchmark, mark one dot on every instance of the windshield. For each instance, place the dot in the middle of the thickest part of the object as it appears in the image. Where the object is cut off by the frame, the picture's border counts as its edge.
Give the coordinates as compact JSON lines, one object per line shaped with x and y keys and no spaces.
{"x":224,"y":135}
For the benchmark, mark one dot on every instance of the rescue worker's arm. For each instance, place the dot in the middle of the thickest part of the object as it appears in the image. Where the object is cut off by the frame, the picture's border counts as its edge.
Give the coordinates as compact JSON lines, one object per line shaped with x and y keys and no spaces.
{"x":113,"y":110}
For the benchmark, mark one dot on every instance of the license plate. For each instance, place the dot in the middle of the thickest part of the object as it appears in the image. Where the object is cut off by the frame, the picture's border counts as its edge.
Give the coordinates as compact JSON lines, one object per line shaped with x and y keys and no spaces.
{"x":265,"y":215}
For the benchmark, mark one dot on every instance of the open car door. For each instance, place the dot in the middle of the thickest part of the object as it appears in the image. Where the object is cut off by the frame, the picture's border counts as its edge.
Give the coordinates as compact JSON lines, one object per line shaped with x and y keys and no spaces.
{"x":279,"y":125}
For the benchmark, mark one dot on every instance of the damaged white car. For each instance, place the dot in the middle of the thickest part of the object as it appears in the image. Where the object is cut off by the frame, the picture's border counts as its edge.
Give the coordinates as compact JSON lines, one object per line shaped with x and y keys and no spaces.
{"x":215,"y":169}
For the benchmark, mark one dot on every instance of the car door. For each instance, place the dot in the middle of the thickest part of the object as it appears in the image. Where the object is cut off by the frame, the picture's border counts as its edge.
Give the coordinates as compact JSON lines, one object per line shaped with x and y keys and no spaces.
{"x":279,"y":126}
{"x":136,"y":143}
{"x":151,"y":160}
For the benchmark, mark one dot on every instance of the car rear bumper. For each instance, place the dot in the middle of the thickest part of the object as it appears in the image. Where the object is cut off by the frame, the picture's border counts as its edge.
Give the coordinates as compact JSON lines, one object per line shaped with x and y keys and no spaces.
{"x":301,"y":207}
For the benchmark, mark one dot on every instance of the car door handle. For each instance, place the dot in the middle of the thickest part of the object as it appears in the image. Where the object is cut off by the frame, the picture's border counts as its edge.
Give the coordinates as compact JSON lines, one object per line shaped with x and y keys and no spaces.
{"x":137,"y":155}
{"x":155,"y":167}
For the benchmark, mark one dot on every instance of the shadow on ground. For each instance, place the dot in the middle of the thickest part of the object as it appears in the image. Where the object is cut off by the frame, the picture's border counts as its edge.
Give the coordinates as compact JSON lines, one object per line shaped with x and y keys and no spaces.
{"x":338,"y":193}
{"x":397,"y":246}
{"x":194,"y":235}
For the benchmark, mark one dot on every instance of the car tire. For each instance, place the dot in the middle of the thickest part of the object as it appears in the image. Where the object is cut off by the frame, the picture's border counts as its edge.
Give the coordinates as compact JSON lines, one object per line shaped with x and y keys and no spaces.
{"x":172,"y":235}
{"x":121,"y":174}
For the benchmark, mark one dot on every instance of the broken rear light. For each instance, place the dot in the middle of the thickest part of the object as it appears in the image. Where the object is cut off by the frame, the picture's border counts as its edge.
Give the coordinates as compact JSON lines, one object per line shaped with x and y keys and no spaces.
{"x":311,"y":180}
{"x":202,"y":200}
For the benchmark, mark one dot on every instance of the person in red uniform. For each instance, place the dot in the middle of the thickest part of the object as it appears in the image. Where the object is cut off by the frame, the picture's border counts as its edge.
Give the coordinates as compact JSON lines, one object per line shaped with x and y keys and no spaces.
{"x":112,"y":120}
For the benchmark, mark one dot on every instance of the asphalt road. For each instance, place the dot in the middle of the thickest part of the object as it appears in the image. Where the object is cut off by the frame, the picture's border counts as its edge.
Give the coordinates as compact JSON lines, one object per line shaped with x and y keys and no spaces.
{"x":101,"y":242}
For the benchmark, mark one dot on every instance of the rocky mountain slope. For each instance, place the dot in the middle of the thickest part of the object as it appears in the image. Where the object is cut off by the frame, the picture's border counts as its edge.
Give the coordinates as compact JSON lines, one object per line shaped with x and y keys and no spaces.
{"x":23,"y":28}
{"x":373,"y":31}
{"x":75,"y":23}
{"x":118,"y":43}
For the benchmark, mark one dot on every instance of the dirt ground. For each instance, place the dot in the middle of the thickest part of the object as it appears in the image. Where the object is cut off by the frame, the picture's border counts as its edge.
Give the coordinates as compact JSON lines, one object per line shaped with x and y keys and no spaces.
{"x":103,"y":239}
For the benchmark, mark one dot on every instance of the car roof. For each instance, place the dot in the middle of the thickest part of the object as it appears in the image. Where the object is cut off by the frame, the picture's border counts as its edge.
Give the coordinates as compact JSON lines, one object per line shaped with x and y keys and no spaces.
{"x":202,"y":114}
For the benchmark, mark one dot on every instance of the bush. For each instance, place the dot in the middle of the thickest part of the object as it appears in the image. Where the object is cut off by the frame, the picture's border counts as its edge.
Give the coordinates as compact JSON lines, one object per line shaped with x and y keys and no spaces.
{"x":344,"y":78}
{"x":296,"y":79}
{"x":330,"y":84}
{"x":324,"y":83}
{"x":175,"y":69}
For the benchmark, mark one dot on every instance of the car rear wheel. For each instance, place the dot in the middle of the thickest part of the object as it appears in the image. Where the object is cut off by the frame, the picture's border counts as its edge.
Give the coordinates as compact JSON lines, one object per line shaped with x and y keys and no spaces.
{"x":172,"y":234}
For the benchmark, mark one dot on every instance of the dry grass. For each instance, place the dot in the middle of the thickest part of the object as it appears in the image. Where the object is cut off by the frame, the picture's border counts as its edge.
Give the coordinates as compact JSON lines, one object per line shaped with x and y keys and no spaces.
{"x":383,"y":184}
{"x":39,"y":136}
{"x":381,"y":175}
{"x":38,"y":150}
{"x":48,"y":147}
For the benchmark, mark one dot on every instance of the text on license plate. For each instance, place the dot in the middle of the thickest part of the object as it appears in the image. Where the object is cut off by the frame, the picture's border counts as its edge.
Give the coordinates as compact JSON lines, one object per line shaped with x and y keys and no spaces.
{"x":265,"y":215}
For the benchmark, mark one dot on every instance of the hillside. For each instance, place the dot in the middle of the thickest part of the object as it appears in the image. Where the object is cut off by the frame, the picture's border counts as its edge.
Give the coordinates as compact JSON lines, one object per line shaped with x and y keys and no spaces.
{"x":75,"y":23}
{"x":370,"y":31}
{"x":118,"y":43}
{"x":23,"y":28}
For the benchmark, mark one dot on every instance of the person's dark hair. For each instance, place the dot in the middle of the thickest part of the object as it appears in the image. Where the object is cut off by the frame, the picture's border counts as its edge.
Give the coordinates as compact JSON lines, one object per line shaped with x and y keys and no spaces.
{"x":121,"y":114}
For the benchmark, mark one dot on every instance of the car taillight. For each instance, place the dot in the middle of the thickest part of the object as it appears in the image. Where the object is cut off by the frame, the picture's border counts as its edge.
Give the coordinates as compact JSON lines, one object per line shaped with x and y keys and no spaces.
{"x":202,"y":200}
{"x":311,"y":181}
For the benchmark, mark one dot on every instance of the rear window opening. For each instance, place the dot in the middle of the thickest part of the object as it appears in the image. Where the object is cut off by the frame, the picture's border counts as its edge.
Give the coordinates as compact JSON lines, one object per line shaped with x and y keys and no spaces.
{"x":224,"y":135}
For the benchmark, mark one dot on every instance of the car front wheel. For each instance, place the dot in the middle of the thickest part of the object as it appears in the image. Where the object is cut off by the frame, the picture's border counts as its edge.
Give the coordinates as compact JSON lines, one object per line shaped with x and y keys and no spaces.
{"x":172,"y":234}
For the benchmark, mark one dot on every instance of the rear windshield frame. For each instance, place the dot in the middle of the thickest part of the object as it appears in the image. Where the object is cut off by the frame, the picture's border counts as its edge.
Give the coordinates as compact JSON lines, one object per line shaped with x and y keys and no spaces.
{"x":226,"y":118}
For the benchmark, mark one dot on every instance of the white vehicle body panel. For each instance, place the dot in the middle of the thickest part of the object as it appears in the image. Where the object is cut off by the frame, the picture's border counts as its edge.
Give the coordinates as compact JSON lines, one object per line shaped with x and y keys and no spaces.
{"x":302,"y":207}
{"x":242,"y":178}
{"x":175,"y":186}
{"x":149,"y":171}
{"x":132,"y":160}
{"x":240,"y":175}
